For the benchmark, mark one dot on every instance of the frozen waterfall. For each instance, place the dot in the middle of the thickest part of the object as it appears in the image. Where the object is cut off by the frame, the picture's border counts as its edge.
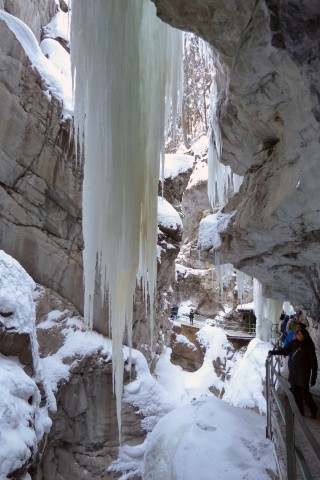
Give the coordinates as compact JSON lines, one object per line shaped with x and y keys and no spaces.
{"x":127,"y":66}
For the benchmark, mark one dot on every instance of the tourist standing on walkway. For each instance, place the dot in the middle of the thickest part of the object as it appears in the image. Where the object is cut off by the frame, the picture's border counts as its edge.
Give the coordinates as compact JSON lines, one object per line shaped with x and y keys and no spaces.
{"x":191,"y":316}
{"x":303,"y":369}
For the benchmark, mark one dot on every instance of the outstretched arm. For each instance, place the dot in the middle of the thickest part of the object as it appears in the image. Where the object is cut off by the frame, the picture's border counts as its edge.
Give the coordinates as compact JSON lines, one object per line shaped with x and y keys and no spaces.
{"x":281,"y":351}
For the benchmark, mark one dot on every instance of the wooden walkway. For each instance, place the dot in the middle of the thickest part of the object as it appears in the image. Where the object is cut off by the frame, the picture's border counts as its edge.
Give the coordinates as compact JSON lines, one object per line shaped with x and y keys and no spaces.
{"x":232,"y":335}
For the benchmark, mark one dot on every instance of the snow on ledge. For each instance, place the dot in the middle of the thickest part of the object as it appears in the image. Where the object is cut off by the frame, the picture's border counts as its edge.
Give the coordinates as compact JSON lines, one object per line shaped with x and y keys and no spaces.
{"x":168,"y":217}
{"x":53,"y":78}
{"x":210,"y":228}
{"x":174,"y":164}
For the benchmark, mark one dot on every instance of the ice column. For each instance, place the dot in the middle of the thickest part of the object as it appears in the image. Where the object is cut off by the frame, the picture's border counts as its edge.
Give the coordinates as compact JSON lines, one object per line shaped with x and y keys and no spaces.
{"x":126,"y":64}
{"x":267,"y":312}
{"x":240,"y":285}
{"x":224,"y":272}
{"x":221,"y":180}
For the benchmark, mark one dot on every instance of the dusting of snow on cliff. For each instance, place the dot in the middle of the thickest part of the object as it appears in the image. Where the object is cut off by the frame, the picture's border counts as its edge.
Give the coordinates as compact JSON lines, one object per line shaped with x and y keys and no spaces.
{"x":55,"y":82}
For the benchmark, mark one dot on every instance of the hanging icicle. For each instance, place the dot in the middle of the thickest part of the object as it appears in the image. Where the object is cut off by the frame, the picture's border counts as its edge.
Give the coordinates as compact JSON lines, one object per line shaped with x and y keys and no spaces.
{"x":237,"y":182}
{"x":267,"y":312}
{"x":127,"y":67}
{"x":218,"y":174}
{"x":221,"y":181}
{"x":224,"y":272}
{"x":240,"y":285}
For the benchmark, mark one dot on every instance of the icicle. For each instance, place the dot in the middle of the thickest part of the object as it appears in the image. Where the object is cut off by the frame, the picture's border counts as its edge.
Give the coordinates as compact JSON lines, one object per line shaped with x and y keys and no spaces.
{"x":218,"y":271}
{"x":219,"y":175}
{"x":272,"y":310}
{"x":240,"y":285}
{"x":126,"y":63}
{"x":237,"y":181}
{"x":267,"y":312}
{"x":242,"y":281}
{"x":258,"y":305}
{"x":224,"y":272}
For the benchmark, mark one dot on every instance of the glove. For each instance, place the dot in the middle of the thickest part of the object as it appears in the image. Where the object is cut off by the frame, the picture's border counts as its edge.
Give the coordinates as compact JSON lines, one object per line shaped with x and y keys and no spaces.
{"x":313,"y":382}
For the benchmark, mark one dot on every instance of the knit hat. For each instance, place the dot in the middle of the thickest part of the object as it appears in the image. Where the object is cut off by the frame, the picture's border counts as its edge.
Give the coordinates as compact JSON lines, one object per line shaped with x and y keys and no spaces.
{"x":301,"y":325}
{"x":305,"y":333}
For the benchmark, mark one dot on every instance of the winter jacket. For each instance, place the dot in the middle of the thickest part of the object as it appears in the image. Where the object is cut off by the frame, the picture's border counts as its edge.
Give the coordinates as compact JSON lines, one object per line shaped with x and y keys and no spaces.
{"x":283,"y":324}
{"x":289,"y":338}
{"x":304,"y":365}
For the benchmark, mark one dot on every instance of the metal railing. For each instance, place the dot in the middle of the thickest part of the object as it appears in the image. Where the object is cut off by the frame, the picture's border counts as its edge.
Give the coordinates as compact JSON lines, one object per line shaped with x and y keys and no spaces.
{"x":243,"y":326}
{"x":283,"y":408}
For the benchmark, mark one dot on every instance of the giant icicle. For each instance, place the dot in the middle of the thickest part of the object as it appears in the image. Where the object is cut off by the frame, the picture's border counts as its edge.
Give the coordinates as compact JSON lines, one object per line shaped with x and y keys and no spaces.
{"x":220,"y":178}
{"x":125,"y":67}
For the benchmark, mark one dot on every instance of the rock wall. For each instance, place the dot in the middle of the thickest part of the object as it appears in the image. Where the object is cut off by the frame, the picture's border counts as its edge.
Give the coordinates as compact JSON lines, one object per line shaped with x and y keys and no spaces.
{"x":34,"y":13}
{"x":269,"y":51}
{"x":84,"y":438}
{"x":189,"y":356}
{"x":40,"y":181}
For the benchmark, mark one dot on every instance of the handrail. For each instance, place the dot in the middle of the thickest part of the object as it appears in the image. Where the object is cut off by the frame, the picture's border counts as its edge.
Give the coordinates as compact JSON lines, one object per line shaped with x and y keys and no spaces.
{"x":289,"y":413}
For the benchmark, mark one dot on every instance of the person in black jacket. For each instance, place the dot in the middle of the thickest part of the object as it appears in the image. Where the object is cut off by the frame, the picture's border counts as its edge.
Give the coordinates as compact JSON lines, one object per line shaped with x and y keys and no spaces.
{"x":303,"y":369}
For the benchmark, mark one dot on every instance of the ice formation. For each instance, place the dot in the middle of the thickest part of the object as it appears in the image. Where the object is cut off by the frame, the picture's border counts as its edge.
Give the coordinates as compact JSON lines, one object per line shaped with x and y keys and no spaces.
{"x":221,"y":181}
{"x":241,"y":278}
{"x":219,"y":174}
{"x":267,"y":312}
{"x":224,"y":272}
{"x":127,"y":67}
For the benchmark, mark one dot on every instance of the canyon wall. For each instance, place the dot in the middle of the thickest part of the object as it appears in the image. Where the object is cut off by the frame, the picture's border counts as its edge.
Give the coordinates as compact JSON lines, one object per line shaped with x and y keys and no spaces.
{"x":267,"y":53}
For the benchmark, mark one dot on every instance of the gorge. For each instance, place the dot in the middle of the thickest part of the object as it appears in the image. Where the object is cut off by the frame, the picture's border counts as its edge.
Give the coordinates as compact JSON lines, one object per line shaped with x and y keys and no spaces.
{"x":267,"y":114}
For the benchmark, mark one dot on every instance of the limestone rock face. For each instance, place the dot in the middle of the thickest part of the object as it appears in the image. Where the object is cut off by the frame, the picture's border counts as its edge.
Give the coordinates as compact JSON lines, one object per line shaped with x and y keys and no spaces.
{"x":84,"y":438}
{"x":40,"y":182}
{"x":173,"y":188}
{"x":34,"y":13}
{"x":218,"y":22}
{"x":188,"y":355}
{"x":270,"y":135}
{"x":194,"y":207}
{"x":17,"y":344}
{"x":199,"y":287}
